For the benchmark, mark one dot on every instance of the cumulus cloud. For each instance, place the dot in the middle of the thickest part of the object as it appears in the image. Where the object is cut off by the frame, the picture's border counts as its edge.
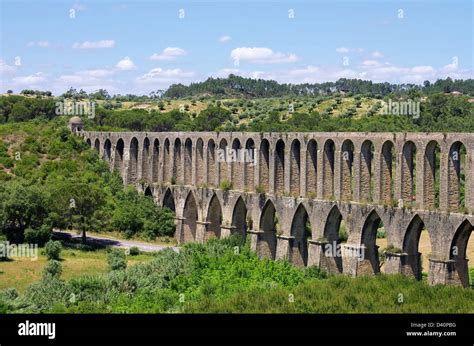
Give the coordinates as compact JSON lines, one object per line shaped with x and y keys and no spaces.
{"x":5,"y":68}
{"x":42,"y":44}
{"x":261,"y":55}
{"x":94,"y":44}
{"x":224,"y":39}
{"x":165,"y":75}
{"x":377,"y":54}
{"x":126,"y":64}
{"x":28,"y":81}
{"x":347,"y":50}
{"x":169,"y":53}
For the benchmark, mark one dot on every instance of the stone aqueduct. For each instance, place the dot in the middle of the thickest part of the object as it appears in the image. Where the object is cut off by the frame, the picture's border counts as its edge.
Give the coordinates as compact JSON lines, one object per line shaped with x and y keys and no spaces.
{"x":292,"y":198}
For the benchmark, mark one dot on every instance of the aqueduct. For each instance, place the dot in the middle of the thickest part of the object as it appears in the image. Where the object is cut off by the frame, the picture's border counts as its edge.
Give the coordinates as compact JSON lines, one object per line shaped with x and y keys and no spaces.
{"x":292,"y":198}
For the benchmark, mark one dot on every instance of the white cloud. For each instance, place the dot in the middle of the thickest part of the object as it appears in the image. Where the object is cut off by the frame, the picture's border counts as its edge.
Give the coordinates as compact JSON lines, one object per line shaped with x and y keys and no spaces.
{"x":342,"y":50}
{"x":42,"y":44}
{"x":97,"y":73}
{"x":126,"y":64}
{"x":377,"y":54}
{"x":169,"y":53}
{"x":30,"y":80}
{"x":79,"y":7}
{"x":161,"y":75}
{"x":371,"y":63}
{"x":224,"y":39}
{"x":5,"y":68}
{"x":94,"y":44}
{"x":261,"y":55}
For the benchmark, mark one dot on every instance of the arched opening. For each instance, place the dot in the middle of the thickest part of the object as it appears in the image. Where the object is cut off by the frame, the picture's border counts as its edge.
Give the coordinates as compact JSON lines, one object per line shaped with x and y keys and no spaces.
{"x":236,"y":163}
{"x":97,"y":145}
{"x":190,"y":215}
{"x":347,"y":160}
{"x":211,"y":163}
{"x":177,"y":167}
{"x":146,"y":159}
{"x":366,"y":171}
{"x":295,"y":168}
{"x":199,"y":162}
{"x":166,"y":161}
{"x":222,"y":159}
{"x":148,"y":192}
{"x":370,"y":264}
{"x":214,"y":219}
{"x":457,"y":177}
{"x":133,"y":164}
{"x":458,"y":254}
{"x":335,"y":233}
{"x":264,"y":165}
{"x":412,"y":263}
{"x":118,"y":160}
{"x":311,"y":168}
{"x":431,"y":175}
{"x":409,"y":173}
{"x":301,"y":231}
{"x":239,"y":219}
{"x":280,"y":167}
{"x":328,"y":170}
{"x":387,"y":165}
{"x":168,"y":201}
{"x":107,"y":150}
{"x":188,"y":162}
{"x":267,"y":240}
{"x":89,"y":143}
{"x":156,"y":160}
{"x":249,"y":165}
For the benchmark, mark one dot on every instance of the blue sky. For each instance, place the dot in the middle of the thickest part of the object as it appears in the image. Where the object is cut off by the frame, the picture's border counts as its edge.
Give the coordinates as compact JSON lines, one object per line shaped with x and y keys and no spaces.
{"x":140,"y":46}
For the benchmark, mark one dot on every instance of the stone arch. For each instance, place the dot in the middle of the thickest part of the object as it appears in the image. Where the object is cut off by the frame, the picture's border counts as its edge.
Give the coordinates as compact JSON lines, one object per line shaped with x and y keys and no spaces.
{"x":107,"y":150}
{"x":97,"y":145}
{"x":347,"y":160}
{"x":211,"y":163}
{"x":267,"y":240}
{"x":166,"y":161}
{"x":412,"y":263}
{"x":119,"y":150}
{"x":408,"y":174}
{"x":301,"y":231}
{"x":177,"y":167}
{"x":311,"y":168}
{"x":366,"y":171}
{"x":155,"y":161}
{"x":199,"y":161}
{"x":168,"y":200}
{"x":188,"y":162}
{"x":279,"y":167}
{"x":370,"y":263}
{"x":148,"y":192}
{"x":146,"y":159}
{"x":386,"y":172}
{"x":264,"y":165}
{"x":190,"y":218}
{"x":88,"y":141}
{"x":457,"y":176}
{"x":431,"y":175}
{"x":133,"y":163}
{"x":328,"y":169}
{"x":239,"y":219}
{"x":223,"y":168}
{"x":458,"y":253}
{"x":295,"y":167}
{"x":249,"y":164}
{"x":214,"y":218}
{"x":333,"y":264}
{"x":236,"y":164}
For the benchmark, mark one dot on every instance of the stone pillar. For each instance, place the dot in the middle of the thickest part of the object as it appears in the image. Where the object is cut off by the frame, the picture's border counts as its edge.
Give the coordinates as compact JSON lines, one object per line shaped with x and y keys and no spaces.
{"x":179,"y":233}
{"x":393,"y":262}
{"x":140,"y":173}
{"x":337,"y":175}
{"x":205,"y":177}
{"x":303,"y":170}
{"x":271,"y":169}
{"x":351,"y":259}
{"x":226,"y":231}
{"x":420,"y":175}
{"x":320,"y":174}
{"x":444,"y":176}
{"x":283,"y":247}
{"x":325,"y":255}
{"x":254,"y":239}
{"x":377,"y":193}
{"x":397,"y":191}
{"x":193,"y":164}
{"x":469,"y":189}
{"x":201,"y":230}
{"x":448,"y":272}
{"x":356,"y":172}
{"x":180,"y":178}
{"x":160,"y":168}
{"x":125,"y":164}
{"x":287,"y":169}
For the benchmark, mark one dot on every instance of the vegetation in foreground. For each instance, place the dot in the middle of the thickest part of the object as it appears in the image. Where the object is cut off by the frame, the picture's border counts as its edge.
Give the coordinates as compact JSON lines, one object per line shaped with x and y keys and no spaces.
{"x":223,"y":276}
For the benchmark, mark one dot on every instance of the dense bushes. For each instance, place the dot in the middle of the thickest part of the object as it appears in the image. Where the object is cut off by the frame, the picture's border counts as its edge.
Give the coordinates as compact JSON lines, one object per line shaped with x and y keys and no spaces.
{"x":53,"y":250}
{"x":116,"y":260}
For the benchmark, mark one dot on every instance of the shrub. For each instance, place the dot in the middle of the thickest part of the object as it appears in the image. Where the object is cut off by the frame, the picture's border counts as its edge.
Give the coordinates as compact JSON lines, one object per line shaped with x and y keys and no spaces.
{"x":53,"y":269}
{"x":116,"y":260}
{"x":38,"y":236}
{"x":134,"y":251}
{"x":52,"y":250}
{"x":225,"y":185}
